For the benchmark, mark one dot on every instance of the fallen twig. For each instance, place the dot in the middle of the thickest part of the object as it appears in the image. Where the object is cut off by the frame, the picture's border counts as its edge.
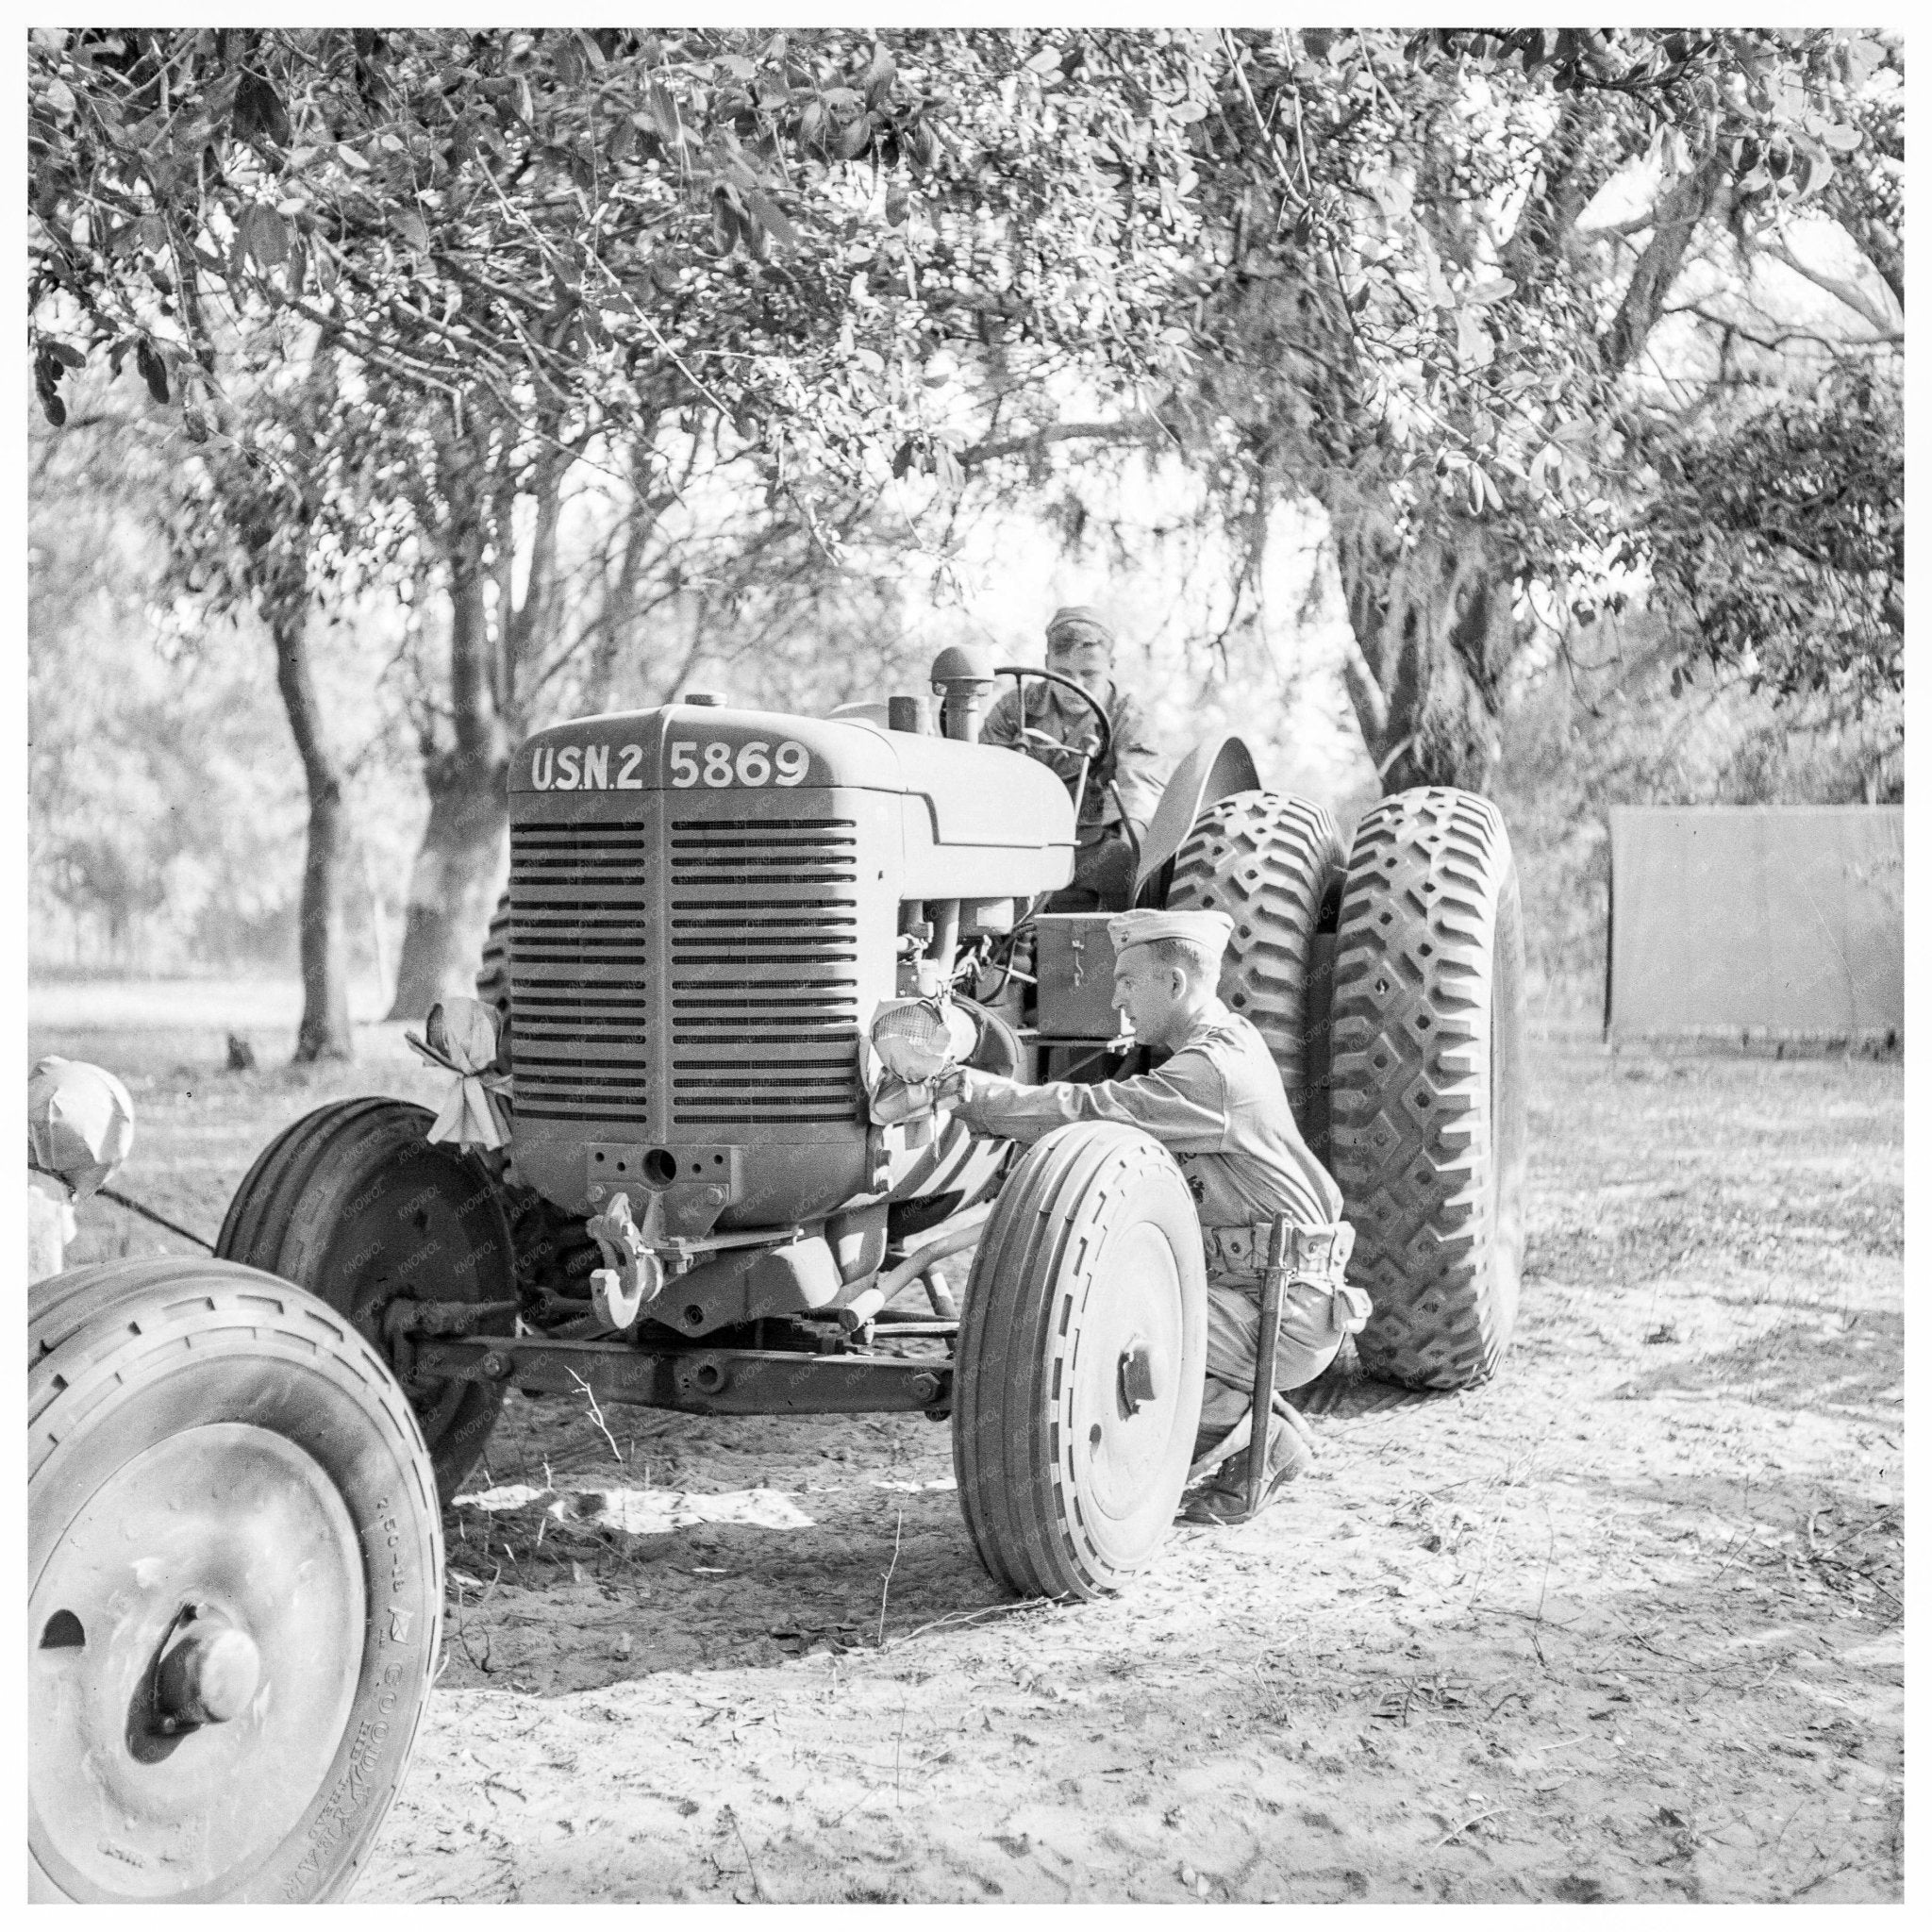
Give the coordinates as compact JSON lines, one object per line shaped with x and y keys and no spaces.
{"x":886,"y":1587}
{"x":972,"y":1616}
{"x":1482,"y":1817}
{"x":757,"y":1885}
{"x":597,"y":1415}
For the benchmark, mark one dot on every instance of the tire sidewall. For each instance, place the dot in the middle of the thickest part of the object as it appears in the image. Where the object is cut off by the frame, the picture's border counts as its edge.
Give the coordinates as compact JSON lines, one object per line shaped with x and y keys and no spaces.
{"x":1036,"y":1277}
{"x":280,"y":1362}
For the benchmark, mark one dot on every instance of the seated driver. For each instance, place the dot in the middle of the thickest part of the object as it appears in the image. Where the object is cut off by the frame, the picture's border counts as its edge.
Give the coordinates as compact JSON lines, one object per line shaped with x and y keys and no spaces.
{"x":1217,"y":1105}
{"x":1055,"y":727}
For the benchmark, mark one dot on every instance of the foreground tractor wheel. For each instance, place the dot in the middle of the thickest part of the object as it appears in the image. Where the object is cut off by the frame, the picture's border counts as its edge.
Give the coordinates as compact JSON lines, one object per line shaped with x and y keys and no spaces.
{"x":235,"y":1578}
{"x":1274,"y":865}
{"x":1428,"y":1099}
{"x":353,"y":1204}
{"x":1077,"y":1388}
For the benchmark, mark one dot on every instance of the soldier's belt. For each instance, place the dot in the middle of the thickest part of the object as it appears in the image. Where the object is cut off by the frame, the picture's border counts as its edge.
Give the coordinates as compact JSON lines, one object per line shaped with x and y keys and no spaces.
{"x":1314,"y":1253}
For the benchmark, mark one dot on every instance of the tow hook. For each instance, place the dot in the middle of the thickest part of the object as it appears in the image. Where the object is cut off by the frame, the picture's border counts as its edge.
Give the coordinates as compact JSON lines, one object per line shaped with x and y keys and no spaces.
{"x":634,"y":1276}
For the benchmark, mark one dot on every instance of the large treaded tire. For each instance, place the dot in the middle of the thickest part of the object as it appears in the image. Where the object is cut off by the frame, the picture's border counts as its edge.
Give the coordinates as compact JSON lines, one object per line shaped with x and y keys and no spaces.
{"x":1273,"y":863}
{"x":493,"y":975}
{"x":1092,"y":1249}
{"x":203,"y":1440}
{"x":1429,"y":1097}
{"x":353,"y":1201}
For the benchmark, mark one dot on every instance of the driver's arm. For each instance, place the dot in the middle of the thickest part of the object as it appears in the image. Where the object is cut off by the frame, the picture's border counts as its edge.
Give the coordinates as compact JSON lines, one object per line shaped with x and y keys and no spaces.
{"x":1136,"y":763}
{"x":1003,"y":721}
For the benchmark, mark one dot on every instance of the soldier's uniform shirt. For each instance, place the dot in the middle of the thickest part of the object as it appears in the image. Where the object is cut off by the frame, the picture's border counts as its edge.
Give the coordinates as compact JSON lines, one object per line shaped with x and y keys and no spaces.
{"x":1132,"y":763}
{"x":1217,"y":1104}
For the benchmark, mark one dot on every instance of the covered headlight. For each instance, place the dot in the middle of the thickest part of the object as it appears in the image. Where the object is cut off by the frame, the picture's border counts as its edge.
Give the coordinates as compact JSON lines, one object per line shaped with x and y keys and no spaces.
{"x":919,"y":1039}
{"x":79,"y":1122}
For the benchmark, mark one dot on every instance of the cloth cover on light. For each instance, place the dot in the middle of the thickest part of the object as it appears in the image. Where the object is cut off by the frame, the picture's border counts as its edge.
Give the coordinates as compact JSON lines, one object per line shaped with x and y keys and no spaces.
{"x":461,"y":1036}
{"x":79,"y":1122}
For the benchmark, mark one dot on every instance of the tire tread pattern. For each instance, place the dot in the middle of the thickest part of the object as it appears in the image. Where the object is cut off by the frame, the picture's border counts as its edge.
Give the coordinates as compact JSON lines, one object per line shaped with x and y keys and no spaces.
{"x":275,"y":1222}
{"x":1269,"y":861}
{"x":1430,"y":898}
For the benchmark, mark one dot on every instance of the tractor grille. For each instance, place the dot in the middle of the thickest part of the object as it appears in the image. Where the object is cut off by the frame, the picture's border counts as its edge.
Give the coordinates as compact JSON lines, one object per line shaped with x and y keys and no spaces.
{"x":580,"y":904}
{"x":763,"y":1014}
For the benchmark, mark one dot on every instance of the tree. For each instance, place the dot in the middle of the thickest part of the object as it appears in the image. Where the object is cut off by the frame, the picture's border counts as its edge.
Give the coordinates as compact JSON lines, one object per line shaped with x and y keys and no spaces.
{"x":530,"y":243}
{"x":1355,"y":266}
{"x":249,"y":527}
{"x":1404,"y":303}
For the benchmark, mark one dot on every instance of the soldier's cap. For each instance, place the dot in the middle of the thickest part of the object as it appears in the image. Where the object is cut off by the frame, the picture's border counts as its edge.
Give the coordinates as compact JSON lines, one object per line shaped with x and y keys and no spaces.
{"x":1208,"y":930}
{"x":1079,"y":624}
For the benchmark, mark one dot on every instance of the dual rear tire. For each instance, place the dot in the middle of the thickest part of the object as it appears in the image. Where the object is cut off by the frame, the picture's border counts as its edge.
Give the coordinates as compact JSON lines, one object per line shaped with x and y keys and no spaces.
{"x":1405,"y":1069}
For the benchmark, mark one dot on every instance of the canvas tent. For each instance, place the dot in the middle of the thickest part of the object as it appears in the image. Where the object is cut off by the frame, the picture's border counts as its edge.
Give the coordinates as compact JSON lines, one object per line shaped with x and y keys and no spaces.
{"x":1773,"y":920}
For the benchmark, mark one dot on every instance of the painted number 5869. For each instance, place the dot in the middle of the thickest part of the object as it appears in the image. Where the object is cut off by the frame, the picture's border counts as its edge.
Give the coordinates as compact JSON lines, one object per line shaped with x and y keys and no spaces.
{"x":752,"y":763}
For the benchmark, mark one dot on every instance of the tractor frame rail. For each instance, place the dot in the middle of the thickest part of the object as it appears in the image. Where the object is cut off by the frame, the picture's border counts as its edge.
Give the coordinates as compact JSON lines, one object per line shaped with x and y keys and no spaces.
{"x":699,"y":1381}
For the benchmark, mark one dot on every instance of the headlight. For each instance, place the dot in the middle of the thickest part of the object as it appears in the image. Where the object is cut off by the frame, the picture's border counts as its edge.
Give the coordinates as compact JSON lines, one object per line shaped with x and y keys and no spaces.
{"x":918,"y":1038}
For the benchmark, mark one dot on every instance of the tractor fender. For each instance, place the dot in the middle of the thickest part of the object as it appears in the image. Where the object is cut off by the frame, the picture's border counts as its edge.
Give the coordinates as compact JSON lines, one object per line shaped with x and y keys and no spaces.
{"x":1215,"y":769}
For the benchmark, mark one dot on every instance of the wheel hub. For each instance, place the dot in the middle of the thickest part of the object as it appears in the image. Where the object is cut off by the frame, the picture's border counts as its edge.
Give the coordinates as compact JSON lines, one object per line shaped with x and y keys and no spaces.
{"x":199,"y":1627}
{"x":1127,"y":1372}
{"x":209,"y":1676}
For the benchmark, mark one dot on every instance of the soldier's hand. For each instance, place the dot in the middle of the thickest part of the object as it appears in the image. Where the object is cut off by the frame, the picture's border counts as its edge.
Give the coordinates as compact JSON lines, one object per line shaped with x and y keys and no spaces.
{"x":957,"y":1084}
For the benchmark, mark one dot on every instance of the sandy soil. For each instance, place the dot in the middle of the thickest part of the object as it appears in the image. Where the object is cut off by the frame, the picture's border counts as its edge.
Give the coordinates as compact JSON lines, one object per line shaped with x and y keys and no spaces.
{"x":1624,"y":1624}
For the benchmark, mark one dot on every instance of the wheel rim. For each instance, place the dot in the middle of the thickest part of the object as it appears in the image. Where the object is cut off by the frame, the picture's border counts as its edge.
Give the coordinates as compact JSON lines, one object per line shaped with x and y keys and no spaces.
{"x":1122,"y":1452}
{"x":423,"y":1231}
{"x":232,"y":1540}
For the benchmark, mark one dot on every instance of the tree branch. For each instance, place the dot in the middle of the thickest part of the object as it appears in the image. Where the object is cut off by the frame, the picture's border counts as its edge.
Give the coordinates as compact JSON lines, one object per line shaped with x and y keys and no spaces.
{"x":1849,"y":294}
{"x":1682,"y":208}
{"x":1143,"y":429}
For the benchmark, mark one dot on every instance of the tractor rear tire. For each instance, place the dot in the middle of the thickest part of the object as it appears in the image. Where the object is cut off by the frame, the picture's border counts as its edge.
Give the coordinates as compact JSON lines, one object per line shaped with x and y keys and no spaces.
{"x":218,"y":1465}
{"x":1081,"y":1355}
{"x":354,"y":1204}
{"x":1429,"y":1097}
{"x":1273,"y":864}
{"x":493,"y":975}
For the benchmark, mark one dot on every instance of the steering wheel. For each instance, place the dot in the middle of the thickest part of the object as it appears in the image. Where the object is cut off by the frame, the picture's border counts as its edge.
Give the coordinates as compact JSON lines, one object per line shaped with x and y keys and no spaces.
{"x":1019,"y":673}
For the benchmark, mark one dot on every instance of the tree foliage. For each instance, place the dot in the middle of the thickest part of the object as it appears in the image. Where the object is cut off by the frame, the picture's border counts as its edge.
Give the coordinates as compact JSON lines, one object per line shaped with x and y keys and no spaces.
{"x":1408,"y":302}
{"x":578,"y":225}
{"x":1388,"y":272}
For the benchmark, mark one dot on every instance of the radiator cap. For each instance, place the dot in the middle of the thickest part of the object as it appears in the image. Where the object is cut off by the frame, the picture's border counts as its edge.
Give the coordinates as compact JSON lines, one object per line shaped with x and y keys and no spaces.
{"x":703,"y":697}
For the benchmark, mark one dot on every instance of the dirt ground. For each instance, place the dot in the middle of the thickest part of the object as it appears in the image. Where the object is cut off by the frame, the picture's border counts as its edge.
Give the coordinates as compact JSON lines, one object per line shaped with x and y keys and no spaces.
{"x":1623,"y":1625}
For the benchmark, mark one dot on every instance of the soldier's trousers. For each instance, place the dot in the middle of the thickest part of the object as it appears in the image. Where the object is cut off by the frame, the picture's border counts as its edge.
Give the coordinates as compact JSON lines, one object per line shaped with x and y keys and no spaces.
{"x":1310,"y":1336}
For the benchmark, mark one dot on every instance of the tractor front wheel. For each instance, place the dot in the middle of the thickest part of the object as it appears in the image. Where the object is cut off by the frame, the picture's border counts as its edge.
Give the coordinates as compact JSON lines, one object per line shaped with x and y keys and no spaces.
{"x":1081,"y":1354}
{"x":354,"y":1204}
{"x":234,"y":1579}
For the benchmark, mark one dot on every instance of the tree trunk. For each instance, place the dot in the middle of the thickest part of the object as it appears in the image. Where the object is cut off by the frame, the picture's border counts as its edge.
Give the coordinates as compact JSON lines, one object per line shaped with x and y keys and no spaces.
{"x":453,"y":886}
{"x":1433,"y":635}
{"x":325,"y":1031}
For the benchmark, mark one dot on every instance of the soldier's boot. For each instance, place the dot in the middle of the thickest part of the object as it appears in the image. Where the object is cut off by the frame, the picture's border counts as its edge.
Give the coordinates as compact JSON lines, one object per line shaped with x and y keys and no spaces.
{"x":1224,"y":1501}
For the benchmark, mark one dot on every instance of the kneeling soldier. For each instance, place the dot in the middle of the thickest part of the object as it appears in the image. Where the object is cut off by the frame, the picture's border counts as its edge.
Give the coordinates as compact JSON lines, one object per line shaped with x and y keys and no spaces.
{"x":1217,"y":1105}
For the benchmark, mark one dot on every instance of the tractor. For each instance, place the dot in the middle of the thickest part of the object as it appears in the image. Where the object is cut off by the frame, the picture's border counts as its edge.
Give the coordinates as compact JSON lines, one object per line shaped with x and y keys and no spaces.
{"x":722,"y":928}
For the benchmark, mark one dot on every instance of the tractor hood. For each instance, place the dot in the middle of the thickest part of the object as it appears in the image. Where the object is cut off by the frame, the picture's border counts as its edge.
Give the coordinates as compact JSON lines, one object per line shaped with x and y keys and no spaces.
{"x":975,"y":821}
